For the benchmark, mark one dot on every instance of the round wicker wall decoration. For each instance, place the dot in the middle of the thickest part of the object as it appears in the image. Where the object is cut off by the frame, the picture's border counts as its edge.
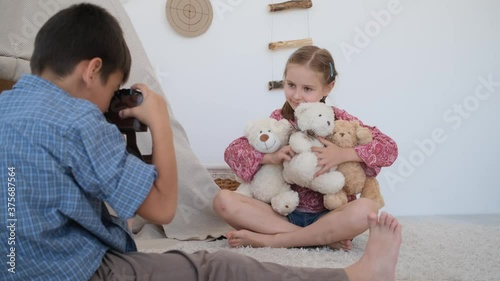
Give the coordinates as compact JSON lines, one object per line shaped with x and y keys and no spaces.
{"x":189,"y":18}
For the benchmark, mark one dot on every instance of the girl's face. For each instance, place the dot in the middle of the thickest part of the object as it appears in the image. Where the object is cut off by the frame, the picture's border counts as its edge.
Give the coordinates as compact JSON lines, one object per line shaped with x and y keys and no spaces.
{"x":304,"y":85}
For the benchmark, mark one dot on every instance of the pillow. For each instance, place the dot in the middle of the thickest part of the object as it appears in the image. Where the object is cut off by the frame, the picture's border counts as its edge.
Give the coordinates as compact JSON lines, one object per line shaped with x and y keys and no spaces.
{"x":20,"y":21}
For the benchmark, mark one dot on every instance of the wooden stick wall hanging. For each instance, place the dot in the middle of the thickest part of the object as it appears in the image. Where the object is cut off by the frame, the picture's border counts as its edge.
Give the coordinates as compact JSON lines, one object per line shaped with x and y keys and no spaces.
{"x":293,"y":4}
{"x":290,"y":43}
{"x":275,"y":85}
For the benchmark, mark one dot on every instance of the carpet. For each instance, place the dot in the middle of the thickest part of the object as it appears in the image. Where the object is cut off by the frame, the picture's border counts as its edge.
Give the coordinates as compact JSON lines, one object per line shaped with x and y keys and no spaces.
{"x":464,"y":248}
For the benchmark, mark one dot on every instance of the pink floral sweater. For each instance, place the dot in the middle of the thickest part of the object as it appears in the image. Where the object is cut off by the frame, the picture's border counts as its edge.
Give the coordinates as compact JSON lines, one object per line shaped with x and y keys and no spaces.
{"x":382,"y":151}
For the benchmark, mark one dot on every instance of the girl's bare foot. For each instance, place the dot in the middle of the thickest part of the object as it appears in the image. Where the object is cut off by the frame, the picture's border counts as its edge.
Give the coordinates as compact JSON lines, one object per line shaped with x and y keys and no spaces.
{"x":382,"y":251}
{"x":342,"y":245}
{"x":241,"y":238}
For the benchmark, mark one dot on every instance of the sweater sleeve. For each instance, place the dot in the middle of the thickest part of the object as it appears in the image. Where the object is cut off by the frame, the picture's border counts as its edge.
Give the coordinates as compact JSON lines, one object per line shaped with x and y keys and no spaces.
{"x":243,"y":159}
{"x":382,"y":151}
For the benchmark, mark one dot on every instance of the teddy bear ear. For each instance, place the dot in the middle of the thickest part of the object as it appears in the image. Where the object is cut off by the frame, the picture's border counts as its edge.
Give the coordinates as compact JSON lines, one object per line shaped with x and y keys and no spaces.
{"x":364,"y":135}
{"x":248,"y":129}
{"x":285,"y":124}
{"x":356,"y":124}
{"x":302,"y":107}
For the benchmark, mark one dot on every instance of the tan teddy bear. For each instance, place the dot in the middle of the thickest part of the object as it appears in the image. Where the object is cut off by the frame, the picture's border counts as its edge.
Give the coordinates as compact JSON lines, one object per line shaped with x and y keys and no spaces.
{"x":347,"y":134}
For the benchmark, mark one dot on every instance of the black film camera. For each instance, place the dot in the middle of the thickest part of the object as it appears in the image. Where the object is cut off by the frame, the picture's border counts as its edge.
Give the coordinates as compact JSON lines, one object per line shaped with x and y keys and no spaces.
{"x":125,"y":98}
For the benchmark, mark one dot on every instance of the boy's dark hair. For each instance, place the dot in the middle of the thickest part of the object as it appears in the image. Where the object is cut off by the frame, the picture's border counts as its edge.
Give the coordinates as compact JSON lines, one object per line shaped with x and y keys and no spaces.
{"x":81,"y":32}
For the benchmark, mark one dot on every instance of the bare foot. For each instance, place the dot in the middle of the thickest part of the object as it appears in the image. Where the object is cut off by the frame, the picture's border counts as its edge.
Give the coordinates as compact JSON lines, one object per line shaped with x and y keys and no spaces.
{"x":382,"y":251}
{"x":342,"y":245}
{"x":240,"y":238}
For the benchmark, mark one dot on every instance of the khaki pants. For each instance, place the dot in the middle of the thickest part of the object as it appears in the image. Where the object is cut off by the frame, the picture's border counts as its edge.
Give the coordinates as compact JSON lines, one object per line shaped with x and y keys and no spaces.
{"x":217,"y":266}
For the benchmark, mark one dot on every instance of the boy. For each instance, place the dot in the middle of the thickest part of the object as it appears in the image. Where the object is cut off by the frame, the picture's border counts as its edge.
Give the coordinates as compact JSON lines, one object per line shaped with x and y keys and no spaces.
{"x":60,"y":161}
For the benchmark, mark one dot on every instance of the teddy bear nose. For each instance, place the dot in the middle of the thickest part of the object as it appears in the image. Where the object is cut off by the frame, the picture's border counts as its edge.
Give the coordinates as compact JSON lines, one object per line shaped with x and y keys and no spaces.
{"x":264,"y":137}
{"x":341,"y":134}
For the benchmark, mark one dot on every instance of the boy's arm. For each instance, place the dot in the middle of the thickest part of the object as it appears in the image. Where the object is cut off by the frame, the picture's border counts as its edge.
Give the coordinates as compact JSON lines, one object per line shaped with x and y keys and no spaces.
{"x":161,"y":203}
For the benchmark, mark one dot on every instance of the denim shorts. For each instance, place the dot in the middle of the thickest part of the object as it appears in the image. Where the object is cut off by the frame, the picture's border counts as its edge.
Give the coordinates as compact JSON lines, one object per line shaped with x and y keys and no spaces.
{"x":304,"y":219}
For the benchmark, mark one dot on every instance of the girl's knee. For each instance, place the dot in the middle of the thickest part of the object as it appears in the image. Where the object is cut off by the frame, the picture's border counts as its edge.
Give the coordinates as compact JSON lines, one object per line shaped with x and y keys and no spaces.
{"x":366,"y":206}
{"x":222,"y":201}
{"x":359,"y":209}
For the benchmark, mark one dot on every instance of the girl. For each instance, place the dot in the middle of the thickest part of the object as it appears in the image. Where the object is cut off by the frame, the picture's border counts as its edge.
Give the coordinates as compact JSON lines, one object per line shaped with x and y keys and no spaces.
{"x":309,"y":77}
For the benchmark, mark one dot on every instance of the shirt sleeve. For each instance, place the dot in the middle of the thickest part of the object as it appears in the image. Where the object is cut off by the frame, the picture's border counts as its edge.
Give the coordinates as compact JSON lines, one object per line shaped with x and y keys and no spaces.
{"x":382,"y":151}
{"x":243,"y":159}
{"x":102,"y":167}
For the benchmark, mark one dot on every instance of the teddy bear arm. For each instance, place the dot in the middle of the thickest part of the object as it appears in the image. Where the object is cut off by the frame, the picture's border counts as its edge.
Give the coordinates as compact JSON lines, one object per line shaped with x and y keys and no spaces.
{"x":354,"y":175}
{"x":299,"y":142}
{"x":301,"y":169}
{"x":334,"y":201}
{"x":268,"y":182}
{"x":371,"y":190}
{"x":328,"y":183}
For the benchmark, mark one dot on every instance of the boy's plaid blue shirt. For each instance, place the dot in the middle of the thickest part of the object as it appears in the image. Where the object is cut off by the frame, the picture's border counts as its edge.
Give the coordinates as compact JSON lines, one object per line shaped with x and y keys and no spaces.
{"x":67,"y":161}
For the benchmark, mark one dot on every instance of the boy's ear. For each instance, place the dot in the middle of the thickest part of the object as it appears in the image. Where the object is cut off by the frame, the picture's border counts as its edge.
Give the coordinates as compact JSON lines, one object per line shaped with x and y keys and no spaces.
{"x":92,"y":71}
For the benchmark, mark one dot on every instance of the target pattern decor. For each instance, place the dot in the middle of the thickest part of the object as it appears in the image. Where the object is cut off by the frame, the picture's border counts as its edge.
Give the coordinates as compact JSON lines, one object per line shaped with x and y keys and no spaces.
{"x":189,"y":18}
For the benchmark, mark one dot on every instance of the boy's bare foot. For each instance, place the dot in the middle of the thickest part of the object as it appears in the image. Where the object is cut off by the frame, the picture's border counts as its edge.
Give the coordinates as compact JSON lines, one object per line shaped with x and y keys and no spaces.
{"x":382,"y":251}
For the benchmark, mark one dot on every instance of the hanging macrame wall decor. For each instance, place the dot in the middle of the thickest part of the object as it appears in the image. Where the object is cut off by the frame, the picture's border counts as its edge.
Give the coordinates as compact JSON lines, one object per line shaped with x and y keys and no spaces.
{"x":294,"y":4}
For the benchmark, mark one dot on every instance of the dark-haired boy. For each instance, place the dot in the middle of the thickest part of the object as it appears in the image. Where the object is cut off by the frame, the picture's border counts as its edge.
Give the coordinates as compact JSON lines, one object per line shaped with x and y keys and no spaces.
{"x":60,"y":161}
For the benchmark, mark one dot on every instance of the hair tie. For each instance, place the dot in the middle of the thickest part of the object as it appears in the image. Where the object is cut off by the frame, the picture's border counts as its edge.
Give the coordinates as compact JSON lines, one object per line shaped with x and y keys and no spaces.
{"x":331,"y":70}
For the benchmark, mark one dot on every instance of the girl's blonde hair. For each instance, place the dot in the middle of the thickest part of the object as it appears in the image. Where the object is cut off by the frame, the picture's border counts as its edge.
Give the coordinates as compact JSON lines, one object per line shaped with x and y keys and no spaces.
{"x":316,"y":59}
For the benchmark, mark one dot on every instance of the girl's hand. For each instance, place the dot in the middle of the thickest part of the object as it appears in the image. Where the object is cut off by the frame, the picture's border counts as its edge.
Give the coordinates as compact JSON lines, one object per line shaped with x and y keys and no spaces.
{"x":329,"y":156}
{"x":283,"y":154}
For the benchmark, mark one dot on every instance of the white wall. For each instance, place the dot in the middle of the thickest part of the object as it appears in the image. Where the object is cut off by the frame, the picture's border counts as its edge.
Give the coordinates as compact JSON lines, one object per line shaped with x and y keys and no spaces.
{"x":419,"y":76}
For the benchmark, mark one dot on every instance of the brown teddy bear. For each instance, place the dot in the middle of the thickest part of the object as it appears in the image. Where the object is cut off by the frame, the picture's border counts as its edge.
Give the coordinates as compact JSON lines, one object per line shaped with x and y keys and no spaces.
{"x":347,"y":134}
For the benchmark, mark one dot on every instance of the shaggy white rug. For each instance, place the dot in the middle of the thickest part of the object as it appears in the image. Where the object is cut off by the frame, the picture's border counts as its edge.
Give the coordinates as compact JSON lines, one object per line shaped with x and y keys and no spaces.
{"x":433,"y":249}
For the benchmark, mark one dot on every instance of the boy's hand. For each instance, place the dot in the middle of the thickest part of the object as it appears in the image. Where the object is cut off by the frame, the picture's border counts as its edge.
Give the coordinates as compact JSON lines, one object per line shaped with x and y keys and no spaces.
{"x":153,"y":109}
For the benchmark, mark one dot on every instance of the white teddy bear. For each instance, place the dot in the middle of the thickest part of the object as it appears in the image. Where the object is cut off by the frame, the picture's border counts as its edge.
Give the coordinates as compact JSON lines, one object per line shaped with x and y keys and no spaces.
{"x":268,"y":136}
{"x":313,"y":119}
